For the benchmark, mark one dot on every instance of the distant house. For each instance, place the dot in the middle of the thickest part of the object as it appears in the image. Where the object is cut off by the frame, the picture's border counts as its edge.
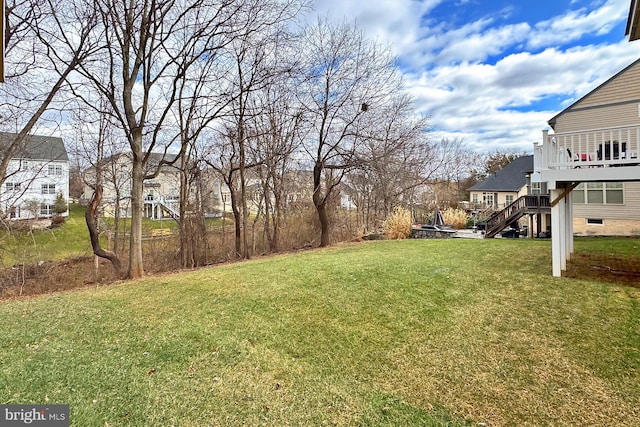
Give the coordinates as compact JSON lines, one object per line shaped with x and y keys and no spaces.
{"x":161,"y":194}
{"x":504,"y":186}
{"x":508,"y":197}
{"x":38,"y":173}
{"x":208,"y":191}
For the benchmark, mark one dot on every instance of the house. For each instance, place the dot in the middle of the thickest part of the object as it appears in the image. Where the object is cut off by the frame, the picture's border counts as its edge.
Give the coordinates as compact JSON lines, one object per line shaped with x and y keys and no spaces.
{"x":590,"y":164}
{"x":502,"y":187}
{"x":37,"y":174}
{"x":208,"y":191}
{"x":511,"y":192}
{"x":161,"y":193}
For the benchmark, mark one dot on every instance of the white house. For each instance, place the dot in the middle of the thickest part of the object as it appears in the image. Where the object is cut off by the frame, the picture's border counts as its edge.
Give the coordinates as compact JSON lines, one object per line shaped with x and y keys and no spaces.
{"x":37,"y":174}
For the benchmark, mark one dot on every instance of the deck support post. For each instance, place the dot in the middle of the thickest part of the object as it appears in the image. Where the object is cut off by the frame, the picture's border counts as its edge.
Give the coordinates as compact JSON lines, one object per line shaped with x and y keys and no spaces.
{"x":561,"y":230}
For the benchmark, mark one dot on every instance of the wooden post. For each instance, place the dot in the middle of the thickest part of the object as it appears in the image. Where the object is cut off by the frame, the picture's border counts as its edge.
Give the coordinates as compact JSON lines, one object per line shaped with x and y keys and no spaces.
{"x":569,"y":222}
{"x":557,"y":233}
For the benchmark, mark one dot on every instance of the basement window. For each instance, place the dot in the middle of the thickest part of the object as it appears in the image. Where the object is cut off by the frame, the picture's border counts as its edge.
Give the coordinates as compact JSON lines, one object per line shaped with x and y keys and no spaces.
{"x":595,"y":221}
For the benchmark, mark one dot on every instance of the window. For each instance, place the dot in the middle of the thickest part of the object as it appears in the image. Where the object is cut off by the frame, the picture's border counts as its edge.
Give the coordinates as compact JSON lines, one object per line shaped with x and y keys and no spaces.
{"x":509,"y":199}
{"x":25,"y":165}
{"x":48,"y":189}
{"x":45,"y":209}
{"x":14,"y":212}
{"x":536,"y":188}
{"x":595,"y":221}
{"x":12,"y":186}
{"x":474,"y":198}
{"x":488,"y":198}
{"x":614,"y":193}
{"x":54,"y":170}
{"x":599,"y":193}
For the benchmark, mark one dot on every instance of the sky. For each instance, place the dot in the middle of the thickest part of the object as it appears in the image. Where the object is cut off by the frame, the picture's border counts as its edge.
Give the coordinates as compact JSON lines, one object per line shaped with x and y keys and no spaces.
{"x":490,"y":72}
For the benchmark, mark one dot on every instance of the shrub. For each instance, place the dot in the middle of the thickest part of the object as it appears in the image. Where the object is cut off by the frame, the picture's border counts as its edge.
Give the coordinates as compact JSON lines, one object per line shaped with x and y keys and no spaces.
{"x":398,"y":224}
{"x":60,"y":206}
{"x":456,"y":218}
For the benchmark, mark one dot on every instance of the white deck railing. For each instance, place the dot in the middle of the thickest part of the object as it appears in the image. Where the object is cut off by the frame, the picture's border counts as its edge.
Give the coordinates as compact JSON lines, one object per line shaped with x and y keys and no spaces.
{"x":618,"y":146}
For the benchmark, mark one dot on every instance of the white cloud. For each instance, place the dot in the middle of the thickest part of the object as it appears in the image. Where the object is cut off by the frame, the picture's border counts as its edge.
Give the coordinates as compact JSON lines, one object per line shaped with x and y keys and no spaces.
{"x":487,"y":103}
{"x":574,"y":25}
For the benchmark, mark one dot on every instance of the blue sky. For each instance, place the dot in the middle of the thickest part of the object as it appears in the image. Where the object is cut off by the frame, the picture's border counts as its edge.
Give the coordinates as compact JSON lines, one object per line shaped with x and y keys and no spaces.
{"x":494,"y":72}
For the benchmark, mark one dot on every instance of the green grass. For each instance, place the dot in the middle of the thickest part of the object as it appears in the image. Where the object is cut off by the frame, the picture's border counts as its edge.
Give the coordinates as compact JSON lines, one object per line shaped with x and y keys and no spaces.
{"x":418,"y":332}
{"x":67,"y":241}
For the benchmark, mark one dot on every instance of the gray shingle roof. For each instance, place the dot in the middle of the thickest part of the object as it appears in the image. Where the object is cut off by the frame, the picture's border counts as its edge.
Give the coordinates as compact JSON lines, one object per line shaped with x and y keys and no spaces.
{"x":510,"y":178}
{"x":36,"y":147}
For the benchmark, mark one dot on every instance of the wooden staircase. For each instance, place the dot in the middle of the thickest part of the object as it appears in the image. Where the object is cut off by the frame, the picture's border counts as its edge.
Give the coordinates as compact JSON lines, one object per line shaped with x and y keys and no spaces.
{"x":532,"y":204}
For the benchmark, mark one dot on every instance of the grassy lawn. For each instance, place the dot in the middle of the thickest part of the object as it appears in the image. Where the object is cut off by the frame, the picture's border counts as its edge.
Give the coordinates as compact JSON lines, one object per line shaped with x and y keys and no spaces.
{"x":419,"y":332}
{"x":68,"y":241}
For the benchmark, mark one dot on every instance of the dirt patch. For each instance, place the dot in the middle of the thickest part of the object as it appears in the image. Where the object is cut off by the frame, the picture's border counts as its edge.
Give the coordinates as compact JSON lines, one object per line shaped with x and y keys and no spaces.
{"x":605,"y":268}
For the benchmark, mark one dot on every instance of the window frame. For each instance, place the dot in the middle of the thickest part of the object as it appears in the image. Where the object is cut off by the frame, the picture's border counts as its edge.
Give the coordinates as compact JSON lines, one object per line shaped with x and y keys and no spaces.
{"x":54,"y":169}
{"x":596,"y":192}
{"x":13,"y":186}
{"x":48,"y":188}
{"x":46,"y":209}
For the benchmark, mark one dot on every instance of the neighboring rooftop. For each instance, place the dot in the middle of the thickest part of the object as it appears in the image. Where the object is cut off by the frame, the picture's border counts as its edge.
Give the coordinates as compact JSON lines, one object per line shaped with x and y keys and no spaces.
{"x":36,"y":147}
{"x":510,"y":178}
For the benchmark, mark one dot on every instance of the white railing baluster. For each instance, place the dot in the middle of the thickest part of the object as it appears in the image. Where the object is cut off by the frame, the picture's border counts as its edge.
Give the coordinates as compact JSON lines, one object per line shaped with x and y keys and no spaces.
{"x":594,"y":147}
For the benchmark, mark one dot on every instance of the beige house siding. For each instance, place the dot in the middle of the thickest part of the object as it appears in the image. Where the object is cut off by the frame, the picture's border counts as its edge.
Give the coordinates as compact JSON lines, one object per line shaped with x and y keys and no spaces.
{"x":595,"y":118}
{"x":624,"y":86}
{"x":615,"y":103}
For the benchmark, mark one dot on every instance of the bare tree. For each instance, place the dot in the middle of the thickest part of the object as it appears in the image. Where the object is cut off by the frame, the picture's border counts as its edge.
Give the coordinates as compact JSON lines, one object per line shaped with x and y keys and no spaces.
{"x":396,"y":159}
{"x":257,"y":60}
{"x":98,"y":145}
{"x":201,"y":101}
{"x":45,"y":42}
{"x":140,"y":74}
{"x":345,"y":76}
{"x":278,"y":131}
{"x":462,"y":169}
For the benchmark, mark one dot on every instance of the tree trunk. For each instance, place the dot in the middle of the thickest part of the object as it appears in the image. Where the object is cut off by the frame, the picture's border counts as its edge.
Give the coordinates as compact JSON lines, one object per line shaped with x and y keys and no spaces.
{"x":90,"y":218}
{"x":116,"y":222}
{"x":325,"y":238}
{"x":136,"y":268}
{"x":243,"y":201}
{"x":320,"y":202}
{"x":187,"y":243}
{"x":237,"y":216}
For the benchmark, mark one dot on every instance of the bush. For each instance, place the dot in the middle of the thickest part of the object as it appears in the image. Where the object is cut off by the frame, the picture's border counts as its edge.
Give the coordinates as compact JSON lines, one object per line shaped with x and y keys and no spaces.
{"x":456,"y":218}
{"x":60,"y":206}
{"x":398,"y":224}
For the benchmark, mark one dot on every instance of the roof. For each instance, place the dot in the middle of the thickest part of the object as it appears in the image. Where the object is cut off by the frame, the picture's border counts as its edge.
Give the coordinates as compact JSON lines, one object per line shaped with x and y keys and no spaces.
{"x":633,"y":30}
{"x":552,"y":121}
{"x":36,"y":147}
{"x":510,"y":178}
